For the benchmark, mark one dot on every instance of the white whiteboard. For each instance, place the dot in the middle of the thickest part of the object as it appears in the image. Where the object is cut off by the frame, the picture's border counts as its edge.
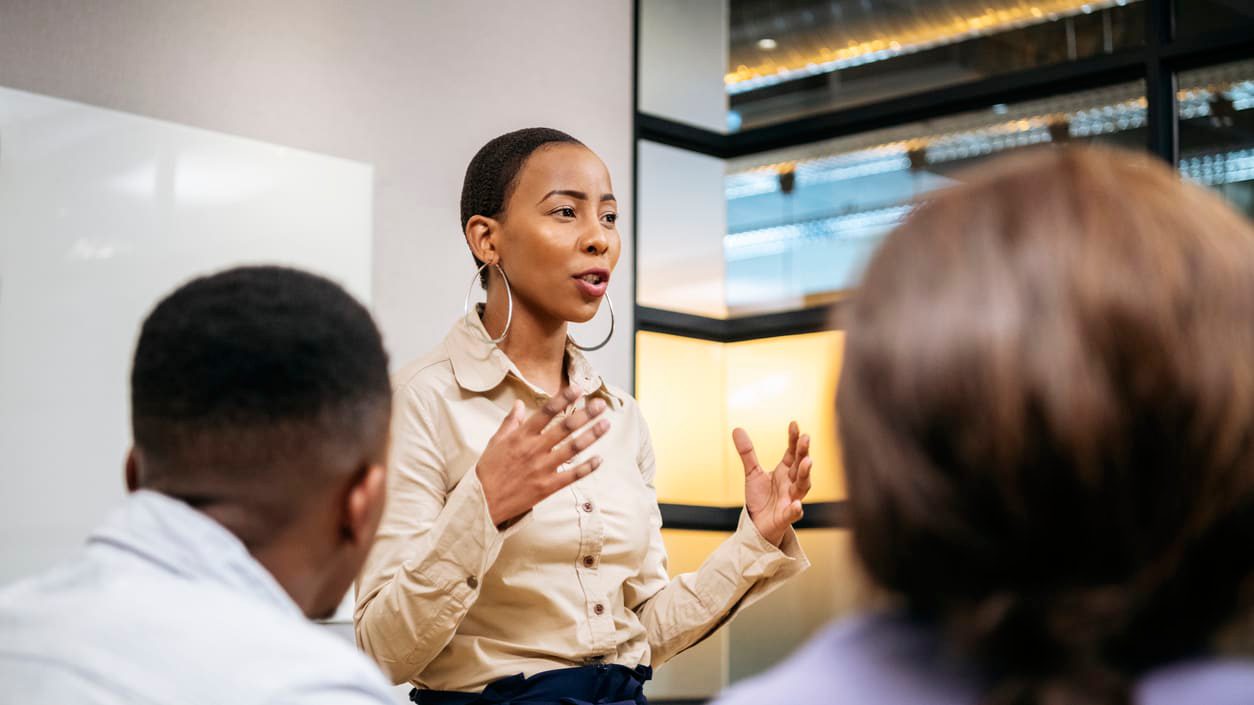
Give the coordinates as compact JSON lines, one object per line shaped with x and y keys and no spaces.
{"x":102,"y":213}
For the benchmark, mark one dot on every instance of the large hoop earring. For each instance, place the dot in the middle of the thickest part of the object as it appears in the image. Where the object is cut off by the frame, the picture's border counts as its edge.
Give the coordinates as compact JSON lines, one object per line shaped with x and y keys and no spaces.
{"x":509,"y":298}
{"x":601,"y":344}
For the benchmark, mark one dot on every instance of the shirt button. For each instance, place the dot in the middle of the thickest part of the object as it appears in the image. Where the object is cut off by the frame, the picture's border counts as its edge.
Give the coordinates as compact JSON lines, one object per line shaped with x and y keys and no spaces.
{"x":598,"y":608}
{"x":587,"y":506}
{"x":589,"y":561}
{"x":473,"y":582}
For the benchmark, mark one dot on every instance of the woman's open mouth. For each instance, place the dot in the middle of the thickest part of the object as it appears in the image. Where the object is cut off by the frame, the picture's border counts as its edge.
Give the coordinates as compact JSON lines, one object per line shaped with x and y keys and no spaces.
{"x":593,"y":282}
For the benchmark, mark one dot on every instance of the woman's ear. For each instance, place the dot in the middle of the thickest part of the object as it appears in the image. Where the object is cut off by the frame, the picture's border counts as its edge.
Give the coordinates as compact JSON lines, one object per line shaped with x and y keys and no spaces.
{"x":481,"y":233}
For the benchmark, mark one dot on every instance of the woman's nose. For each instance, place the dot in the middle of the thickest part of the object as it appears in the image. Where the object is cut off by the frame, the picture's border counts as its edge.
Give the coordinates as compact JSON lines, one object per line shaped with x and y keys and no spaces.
{"x":595,"y":242}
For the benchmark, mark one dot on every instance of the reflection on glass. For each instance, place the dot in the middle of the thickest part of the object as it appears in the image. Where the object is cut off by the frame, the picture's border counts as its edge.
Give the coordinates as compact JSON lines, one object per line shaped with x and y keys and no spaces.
{"x":1217,"y":130}
{"x":694,"y":392}
{"x":788,"y":59}
{"x":803,"y":222}
{"x":1195,"y":17}
{"x":700,"y":672}
{"x":680,"y":228}
{"x":766,"y":632}
{"x":681,"y":385}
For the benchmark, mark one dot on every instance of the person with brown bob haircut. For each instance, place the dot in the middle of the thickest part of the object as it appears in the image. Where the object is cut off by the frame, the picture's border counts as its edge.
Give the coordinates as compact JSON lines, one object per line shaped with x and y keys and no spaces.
{"x":1047,"y":417}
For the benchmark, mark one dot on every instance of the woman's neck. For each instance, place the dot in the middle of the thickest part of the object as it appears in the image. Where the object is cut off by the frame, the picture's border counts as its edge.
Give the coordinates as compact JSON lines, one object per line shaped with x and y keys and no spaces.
{"x":536,"y":343}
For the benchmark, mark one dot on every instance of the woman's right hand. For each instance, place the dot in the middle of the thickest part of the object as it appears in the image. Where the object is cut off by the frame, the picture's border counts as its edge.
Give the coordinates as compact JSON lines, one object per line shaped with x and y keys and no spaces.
{"x":518,"y":469}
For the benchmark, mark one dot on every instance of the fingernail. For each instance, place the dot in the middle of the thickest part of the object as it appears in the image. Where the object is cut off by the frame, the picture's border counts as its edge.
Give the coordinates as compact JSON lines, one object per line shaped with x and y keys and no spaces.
{"x":596,"y":406}
{"x":603,"y":425}
{"x":596,"y":462}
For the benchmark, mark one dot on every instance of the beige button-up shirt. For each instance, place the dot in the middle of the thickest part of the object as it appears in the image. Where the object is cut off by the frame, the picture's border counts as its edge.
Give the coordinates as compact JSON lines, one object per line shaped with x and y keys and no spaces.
{"x":449,"y":602}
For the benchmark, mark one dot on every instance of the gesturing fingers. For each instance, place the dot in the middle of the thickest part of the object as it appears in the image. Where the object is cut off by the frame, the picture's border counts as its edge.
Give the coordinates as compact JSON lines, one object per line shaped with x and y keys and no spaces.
{"x":579,"y":472}
{"x":511,"y":422}
{"x":801,"y":485}
{"x":558,"y":431}
{"x":791,"y":454}
{"x":744,"y":447}
{"x":538,"y":421}
{"x":576,"y":444}
{"x":803,"y":452}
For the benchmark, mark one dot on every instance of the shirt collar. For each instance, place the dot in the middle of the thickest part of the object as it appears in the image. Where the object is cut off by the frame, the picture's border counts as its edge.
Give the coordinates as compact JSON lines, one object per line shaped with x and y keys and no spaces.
{"x":480,"y":365}
{"x":172,"y":535}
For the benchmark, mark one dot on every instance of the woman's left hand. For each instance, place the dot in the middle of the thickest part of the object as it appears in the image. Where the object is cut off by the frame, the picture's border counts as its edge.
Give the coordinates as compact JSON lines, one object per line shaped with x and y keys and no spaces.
{"x":774,"y":498}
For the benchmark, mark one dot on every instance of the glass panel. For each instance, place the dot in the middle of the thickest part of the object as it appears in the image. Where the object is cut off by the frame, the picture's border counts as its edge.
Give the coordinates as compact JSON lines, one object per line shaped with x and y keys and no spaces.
{"x":681,"y":386}
{"x":765,"y":633}
{"x":775,"y":380}
{"x":1195,"y":17}
{"x":790,"y":58}
{"x":683,"y":56}
{"x":701,"y":671}
{"x":803,"y":222}
{"x":1217,"y":130}
{"x":694,"y":392}
{"x":681,"y":224}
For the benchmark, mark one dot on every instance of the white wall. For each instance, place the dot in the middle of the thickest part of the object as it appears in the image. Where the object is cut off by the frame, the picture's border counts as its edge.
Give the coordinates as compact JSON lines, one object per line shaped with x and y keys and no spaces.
{"x":411,"y":87}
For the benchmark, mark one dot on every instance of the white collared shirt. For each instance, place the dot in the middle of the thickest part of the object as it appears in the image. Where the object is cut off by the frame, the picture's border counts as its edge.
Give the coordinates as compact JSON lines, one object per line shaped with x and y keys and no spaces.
{"x":164,"y":605}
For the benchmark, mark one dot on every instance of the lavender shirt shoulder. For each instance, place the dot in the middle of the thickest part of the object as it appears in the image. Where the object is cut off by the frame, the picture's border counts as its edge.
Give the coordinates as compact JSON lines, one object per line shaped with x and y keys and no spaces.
{"x":889,"y":660}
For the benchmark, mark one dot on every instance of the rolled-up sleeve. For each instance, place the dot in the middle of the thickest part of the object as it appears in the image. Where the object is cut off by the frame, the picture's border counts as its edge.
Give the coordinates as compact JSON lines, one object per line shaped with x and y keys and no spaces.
{"x":681,"y":611}
{"x":433,"y":547}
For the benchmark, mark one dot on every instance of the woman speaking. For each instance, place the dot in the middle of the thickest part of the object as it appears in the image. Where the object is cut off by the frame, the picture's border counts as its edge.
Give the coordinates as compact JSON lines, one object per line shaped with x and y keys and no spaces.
{"x":520,"y":559}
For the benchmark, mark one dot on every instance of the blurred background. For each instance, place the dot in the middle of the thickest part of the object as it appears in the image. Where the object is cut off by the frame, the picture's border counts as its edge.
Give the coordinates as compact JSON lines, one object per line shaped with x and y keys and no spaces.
{"x":760,"y":150}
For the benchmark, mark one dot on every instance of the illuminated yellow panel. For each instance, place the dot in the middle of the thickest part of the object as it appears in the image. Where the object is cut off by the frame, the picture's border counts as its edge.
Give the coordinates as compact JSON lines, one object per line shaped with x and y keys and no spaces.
{"x":681,"y":389}
{"x":687,"y":550}
{"x":700,"y":672}
{"x":772,"y":381}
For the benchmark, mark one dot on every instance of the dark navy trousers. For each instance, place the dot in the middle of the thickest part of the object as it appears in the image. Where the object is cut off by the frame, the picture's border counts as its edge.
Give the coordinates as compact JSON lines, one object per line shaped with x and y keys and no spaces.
{"x":587,"y":685}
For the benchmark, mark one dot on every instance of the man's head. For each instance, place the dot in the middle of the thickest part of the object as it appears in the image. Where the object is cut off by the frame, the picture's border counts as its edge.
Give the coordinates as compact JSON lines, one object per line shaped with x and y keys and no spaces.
{"x":260,"y":396}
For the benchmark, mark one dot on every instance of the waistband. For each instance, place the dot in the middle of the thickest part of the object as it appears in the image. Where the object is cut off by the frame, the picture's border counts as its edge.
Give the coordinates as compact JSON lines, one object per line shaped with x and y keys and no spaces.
{"x":602,"y":684}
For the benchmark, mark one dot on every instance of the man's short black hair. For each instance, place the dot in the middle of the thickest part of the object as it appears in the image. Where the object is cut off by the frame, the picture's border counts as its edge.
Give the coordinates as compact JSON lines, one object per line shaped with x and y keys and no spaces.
{"x":256,"y":383}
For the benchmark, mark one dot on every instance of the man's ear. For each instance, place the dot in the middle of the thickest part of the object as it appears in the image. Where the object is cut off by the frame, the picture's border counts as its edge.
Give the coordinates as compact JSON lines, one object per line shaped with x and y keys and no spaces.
{"x":481,"y":233}
{"x":132,"y":470}
{"x":363,"y":505}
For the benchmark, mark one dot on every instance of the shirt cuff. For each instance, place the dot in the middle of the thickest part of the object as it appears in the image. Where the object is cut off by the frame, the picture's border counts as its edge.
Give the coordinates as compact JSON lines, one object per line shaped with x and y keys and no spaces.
{"x":762,"y":559}
{"x":468,"y":543}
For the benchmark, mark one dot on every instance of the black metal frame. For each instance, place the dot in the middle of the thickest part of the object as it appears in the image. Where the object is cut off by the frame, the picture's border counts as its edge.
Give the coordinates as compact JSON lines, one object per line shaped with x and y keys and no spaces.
{"x":818,"y":515}
{"x":732,"y":330}
{"x":1157,"y":63}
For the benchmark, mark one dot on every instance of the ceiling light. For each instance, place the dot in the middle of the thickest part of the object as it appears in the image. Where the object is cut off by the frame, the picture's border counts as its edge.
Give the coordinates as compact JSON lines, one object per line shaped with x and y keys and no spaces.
{"x":767,"y":44}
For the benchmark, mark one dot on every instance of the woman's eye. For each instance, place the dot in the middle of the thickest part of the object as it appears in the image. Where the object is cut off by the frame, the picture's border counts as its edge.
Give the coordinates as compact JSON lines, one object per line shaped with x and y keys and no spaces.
{"x":565,"y":212}
{"x":610,"y":218}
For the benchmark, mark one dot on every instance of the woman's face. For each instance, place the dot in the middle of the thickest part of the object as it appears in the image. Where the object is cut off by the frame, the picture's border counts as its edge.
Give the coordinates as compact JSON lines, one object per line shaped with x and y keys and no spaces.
{"x":557,"y":239}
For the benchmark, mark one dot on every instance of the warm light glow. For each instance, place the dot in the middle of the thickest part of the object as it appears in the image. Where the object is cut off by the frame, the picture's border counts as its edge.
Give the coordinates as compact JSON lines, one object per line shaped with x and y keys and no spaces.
{"x":681,"y":387}
{"x":775,"y":380}
{"x":687,"y":550}
{"x":694,"y":392}
{"x":918,"y":36}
